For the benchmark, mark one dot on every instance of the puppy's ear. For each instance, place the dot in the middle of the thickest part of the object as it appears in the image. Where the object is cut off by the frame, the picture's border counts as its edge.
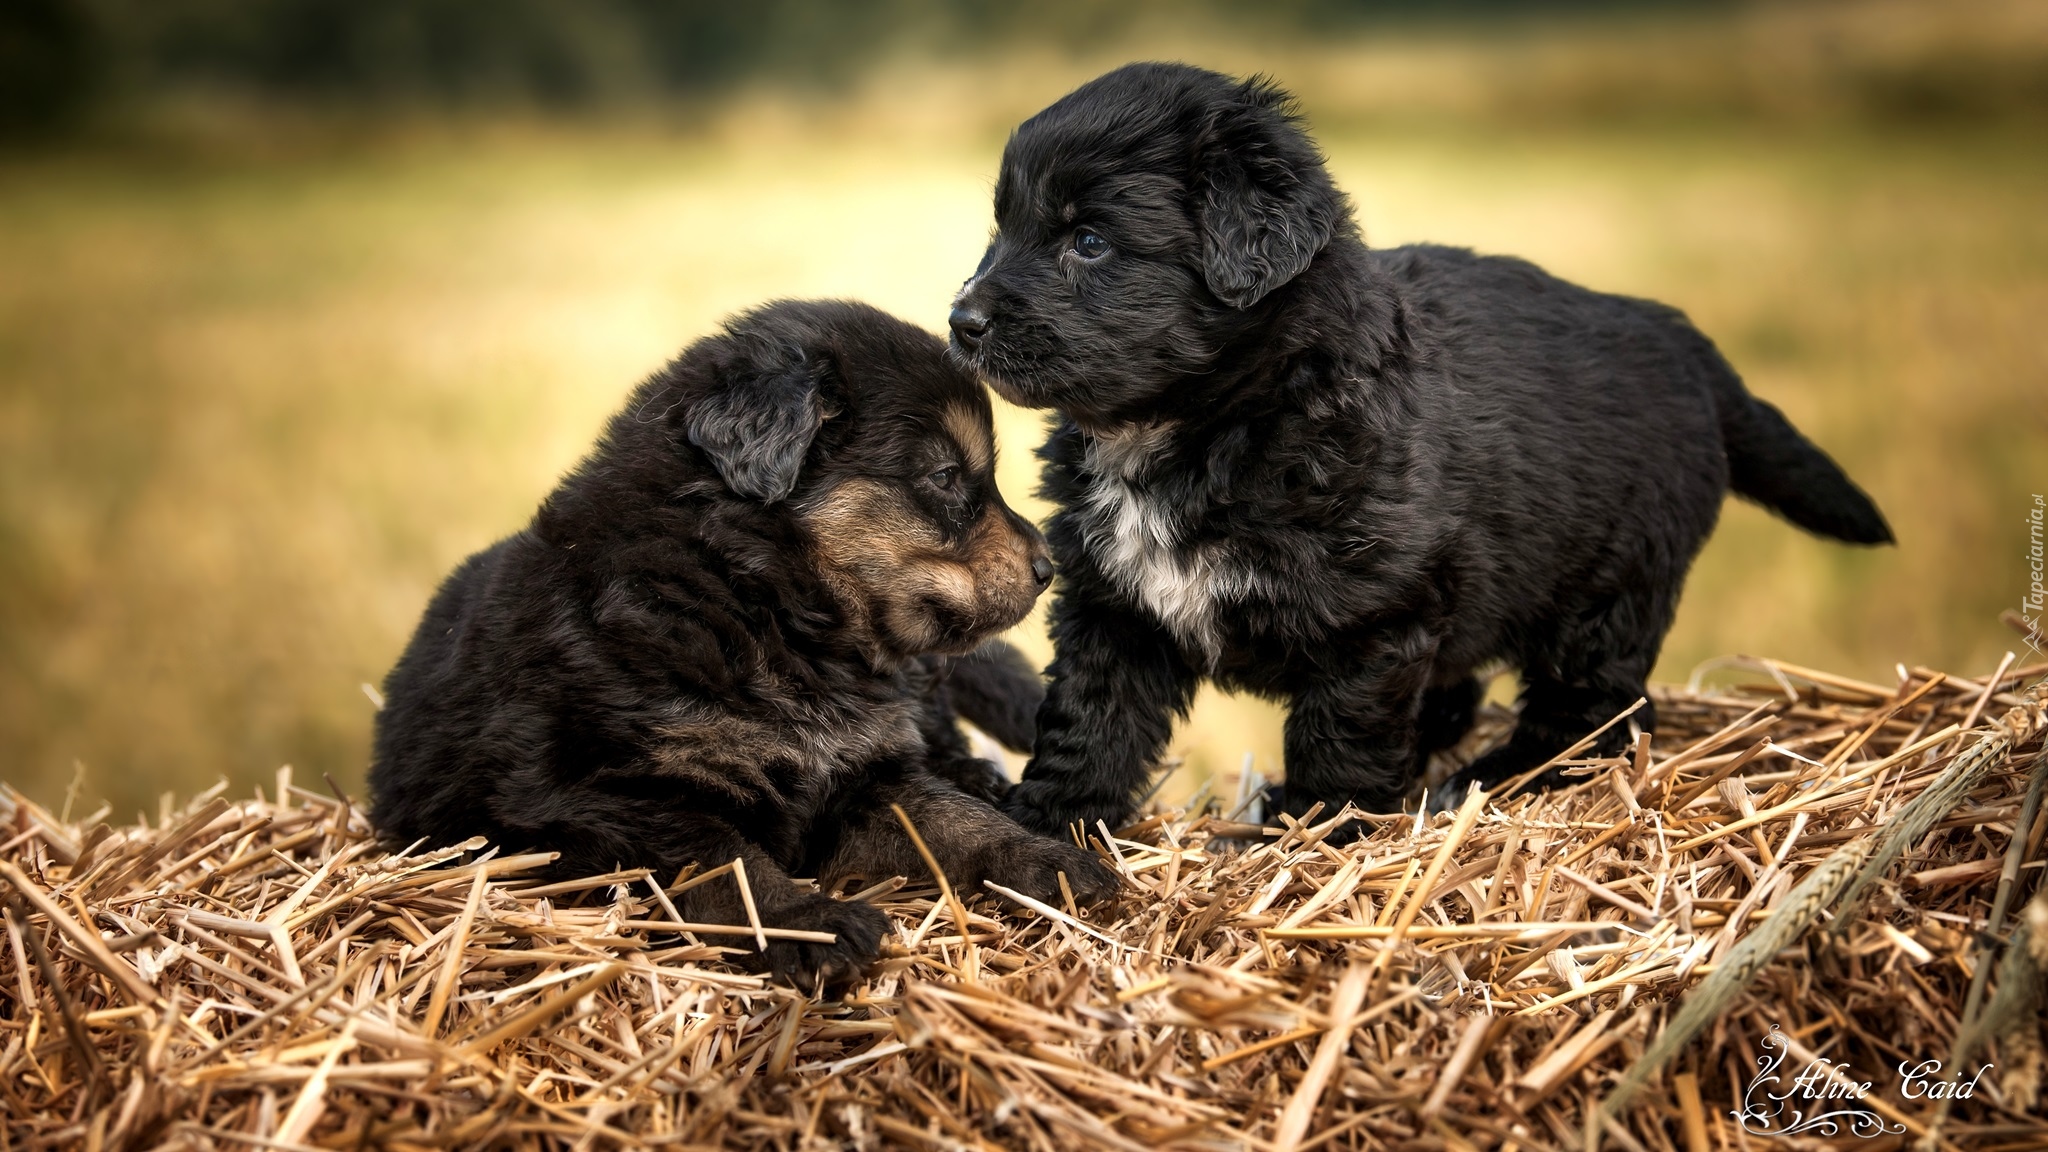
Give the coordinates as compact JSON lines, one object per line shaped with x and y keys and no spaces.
{"x":1265,"y":201}
{"x":759,"y":426}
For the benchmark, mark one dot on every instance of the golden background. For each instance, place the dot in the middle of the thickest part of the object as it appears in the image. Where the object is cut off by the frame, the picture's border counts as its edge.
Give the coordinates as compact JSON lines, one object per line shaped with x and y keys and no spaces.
{"x":265,"y":377}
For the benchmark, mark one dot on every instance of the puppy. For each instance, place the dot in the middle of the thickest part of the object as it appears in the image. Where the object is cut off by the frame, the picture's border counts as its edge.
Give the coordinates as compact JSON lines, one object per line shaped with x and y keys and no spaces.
{"x":1349,"y":480}
{"x":718,"y":639}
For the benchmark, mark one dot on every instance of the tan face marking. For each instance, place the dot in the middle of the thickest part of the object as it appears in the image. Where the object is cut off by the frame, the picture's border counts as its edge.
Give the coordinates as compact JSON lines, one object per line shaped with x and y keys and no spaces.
{"x":863,"y":523}
{"x":904,"y":584}
{"x":973,"y":435}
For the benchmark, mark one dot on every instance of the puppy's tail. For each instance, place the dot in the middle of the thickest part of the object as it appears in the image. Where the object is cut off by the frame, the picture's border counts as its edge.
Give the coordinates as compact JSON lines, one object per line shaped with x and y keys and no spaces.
{"x":997,"y":690}
{"x":1771,"y":463}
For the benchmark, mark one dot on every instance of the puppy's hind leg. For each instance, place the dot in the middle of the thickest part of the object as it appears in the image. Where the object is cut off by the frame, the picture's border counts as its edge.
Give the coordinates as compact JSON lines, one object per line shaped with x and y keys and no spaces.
{"x":1598,"y":670}
{"x":1554,"y":717}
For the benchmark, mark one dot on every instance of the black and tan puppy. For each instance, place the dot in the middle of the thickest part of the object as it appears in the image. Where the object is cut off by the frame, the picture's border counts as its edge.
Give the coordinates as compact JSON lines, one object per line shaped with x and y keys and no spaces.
{"x":718,"y":639}
{"x":1346,"y":479}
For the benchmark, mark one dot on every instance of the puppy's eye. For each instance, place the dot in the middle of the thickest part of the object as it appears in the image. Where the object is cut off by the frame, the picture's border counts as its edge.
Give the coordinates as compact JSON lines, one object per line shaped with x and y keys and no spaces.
{"x":945,"y":479}
{"x":1090,"y":245}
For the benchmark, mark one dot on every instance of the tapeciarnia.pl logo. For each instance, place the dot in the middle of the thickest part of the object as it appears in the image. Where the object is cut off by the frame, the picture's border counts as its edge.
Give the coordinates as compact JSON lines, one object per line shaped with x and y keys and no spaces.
{"x":1824,"y":1097}
{"x":2036,"y":599}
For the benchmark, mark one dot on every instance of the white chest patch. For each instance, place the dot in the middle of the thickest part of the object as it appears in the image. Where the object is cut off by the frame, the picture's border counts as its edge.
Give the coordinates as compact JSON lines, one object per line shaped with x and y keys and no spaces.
{"x":1140,"y":541}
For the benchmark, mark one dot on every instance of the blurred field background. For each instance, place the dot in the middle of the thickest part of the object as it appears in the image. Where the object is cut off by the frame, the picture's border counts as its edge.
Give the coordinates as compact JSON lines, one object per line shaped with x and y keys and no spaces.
{"x":302,"y":301}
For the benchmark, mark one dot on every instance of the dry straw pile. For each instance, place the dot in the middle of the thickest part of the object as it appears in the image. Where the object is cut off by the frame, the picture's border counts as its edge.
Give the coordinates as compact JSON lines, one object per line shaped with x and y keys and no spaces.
{"x":1843,"y":862}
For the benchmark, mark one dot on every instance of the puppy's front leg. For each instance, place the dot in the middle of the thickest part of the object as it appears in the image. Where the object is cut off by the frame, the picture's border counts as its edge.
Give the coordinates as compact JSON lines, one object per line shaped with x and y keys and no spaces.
{"x":612,"y":829}
{"x":948,"y":756}
{"x":971,"y":841}
{"x":1116,"y":683}
{"x":1351,"y":732}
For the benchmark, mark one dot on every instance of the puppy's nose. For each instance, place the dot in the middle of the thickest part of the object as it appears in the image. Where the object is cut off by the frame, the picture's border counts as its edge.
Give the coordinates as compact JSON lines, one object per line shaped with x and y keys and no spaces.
{"x":969,"y":323}
{"x":1041,"y":570}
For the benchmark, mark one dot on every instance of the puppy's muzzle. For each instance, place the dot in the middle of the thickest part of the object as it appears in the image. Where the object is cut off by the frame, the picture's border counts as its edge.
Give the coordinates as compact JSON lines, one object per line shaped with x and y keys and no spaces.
{"x":969,"y":323}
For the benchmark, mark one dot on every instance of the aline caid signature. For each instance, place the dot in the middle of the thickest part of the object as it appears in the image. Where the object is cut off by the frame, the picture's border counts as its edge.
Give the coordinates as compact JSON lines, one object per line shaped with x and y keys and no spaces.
{"x":1924,"y":1081}
{"x":1825,"y":1098}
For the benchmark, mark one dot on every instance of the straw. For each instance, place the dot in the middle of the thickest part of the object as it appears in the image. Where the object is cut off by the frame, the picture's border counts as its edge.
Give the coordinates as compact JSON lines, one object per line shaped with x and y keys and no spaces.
{"x":258,"y":973}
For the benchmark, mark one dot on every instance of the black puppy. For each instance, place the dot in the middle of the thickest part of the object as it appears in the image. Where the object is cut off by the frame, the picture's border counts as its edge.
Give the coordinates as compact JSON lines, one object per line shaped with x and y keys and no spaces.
{"x":1345,"y":479}
{"x":714,"y":641}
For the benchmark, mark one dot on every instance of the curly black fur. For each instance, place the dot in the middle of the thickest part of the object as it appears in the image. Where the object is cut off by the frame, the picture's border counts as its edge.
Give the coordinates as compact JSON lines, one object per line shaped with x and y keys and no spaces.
{"x":1346,"y":479}
{"x":724,"y":636}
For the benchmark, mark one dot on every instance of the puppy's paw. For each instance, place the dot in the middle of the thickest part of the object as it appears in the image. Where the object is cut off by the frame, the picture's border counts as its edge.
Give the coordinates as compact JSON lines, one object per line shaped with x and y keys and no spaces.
{"x":1298,"y":805}
{"x":982,"y":779}
{"x":1490,"y":771}
{"x":1447,"y":796}
{"x":1034,"y":867}
{"x":814,"y":966}
{"x":1050,"y":810}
